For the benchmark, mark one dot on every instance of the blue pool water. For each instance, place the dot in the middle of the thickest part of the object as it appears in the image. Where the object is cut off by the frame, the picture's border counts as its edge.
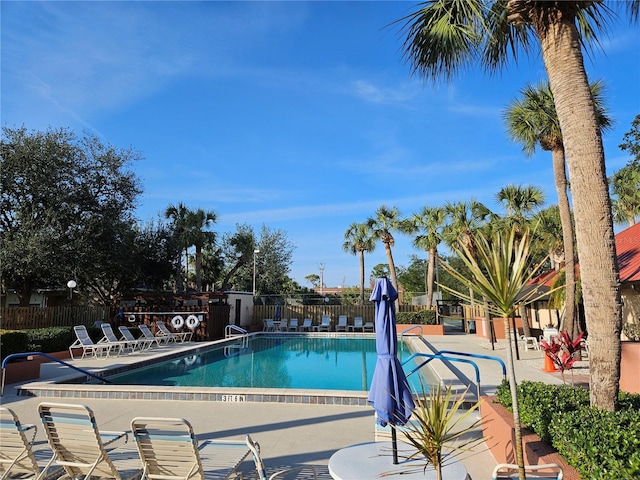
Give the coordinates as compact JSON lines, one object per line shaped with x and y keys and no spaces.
{"x":340,"y":363}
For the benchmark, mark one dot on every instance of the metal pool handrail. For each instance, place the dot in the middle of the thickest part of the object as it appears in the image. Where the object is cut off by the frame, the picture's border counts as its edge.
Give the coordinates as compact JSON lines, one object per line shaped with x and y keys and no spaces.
{"x":232,"y":331}
{"x":478,"y":355}
{"x":419,"y":327}
{"x":431,"y":356}
{"x":41,"y":354}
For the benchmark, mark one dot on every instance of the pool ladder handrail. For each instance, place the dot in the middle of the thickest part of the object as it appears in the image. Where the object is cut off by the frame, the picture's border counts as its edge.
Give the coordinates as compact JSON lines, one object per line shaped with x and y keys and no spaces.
{"x":234,"y":331}
{"x":42,"y":354}
{"x":419,"y":327}
{"x":432,"y":356}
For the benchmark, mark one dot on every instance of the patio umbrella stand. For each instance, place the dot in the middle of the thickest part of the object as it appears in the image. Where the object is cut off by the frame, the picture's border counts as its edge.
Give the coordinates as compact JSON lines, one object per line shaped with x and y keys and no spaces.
{"x":389,"y":395}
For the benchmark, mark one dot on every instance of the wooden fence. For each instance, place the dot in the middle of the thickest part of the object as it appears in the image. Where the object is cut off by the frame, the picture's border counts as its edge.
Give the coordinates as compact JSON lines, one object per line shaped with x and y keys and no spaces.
{"x":23,"y":318}
{"x":315,"y":312}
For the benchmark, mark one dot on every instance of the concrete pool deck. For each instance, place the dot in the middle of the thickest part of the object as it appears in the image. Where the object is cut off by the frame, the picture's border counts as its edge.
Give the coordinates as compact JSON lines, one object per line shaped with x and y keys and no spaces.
{"x":289,"y":433}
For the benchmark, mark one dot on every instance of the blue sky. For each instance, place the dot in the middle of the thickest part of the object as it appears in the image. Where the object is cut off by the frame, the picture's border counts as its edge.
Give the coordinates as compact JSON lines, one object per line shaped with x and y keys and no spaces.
{"x":298,"y":115}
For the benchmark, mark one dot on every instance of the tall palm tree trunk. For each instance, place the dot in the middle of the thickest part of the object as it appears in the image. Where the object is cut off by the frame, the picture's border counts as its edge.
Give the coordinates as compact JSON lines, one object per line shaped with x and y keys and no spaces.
{"x":560,"y":176}
{"x":361,"y":277}
{"x":392,"y":268}
{"x":594,"y":226}
{"x":433,"y":255}
{"x":198,"y":268}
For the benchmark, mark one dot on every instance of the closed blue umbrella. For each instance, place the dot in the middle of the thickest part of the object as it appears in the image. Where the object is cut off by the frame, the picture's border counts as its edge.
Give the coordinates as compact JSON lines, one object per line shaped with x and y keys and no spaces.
{"x":389,"y":394}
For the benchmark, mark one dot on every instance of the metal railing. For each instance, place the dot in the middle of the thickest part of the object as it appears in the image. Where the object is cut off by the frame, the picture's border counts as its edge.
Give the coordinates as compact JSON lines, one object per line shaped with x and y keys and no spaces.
{"x":41,"y":354}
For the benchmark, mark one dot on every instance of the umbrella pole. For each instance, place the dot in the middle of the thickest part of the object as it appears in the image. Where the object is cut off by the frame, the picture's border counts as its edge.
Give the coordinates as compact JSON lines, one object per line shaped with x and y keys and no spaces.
{"x":394,"y":444}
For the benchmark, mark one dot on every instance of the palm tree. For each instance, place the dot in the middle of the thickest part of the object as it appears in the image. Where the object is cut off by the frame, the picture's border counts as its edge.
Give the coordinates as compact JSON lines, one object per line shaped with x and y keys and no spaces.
{"x":359,"y":239}
{"x":430,"y":221}
{"x":520,"y":202}
{"x":625,"y":191}
{"x":178,"y":215}
{"x":533,"y":121}
{"x":499,"y":269}
{"x":445,"y":36}
{"x":197,"y":235}
{"x":382,"y":225}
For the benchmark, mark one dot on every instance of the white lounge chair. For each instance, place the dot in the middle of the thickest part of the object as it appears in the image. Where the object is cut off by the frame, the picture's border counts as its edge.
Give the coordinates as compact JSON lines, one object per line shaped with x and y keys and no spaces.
{"x":79,"y":447}
{"x":342,"y":325}
{"x":110,"y":338}
{"x":504,"y":471}
{"x":293,"y":325}
{"x":283,"y":326}
{"x":17,"y":458}
{"x":174,"y":336}
{"x":142,"y":342}
{"x":169,"y":450}
{"x":83,"y":341}
{"x":306,"y":326}
{"x":268,"y":325}
{"x":368,"y":327}
{"x":146,"y":333}
{"x":358,"y":324}
{"x":325,"y":324}
{"x":261,"y":472}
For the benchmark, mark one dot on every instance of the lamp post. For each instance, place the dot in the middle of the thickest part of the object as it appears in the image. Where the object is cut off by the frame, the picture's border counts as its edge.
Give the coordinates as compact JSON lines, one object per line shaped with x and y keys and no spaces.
{"x":255,"y":252}
{"x":321,"y":278}
{"x":71,"y":284}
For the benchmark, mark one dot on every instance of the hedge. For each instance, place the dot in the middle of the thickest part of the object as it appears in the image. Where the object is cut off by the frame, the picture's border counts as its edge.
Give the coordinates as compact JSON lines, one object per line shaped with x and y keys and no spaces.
{"x":599,"y":444}
{"x":422,"y":317}
{"x":46,"y":340}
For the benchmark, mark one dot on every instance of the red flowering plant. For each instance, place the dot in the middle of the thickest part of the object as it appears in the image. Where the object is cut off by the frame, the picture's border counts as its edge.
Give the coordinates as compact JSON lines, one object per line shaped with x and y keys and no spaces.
{"x":562,"y":349}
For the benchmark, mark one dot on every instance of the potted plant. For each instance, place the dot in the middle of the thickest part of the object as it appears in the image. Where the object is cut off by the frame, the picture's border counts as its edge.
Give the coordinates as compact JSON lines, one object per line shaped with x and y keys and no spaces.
{"x":438,"y":427}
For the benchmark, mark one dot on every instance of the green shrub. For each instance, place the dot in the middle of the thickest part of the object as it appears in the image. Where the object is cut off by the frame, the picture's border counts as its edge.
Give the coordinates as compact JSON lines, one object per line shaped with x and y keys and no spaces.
{"x":53,"y":339}
{"x":12,"y":341}
{"x":599,"y":444}
{"x":561,"y":415}
{"x":423,"y":317}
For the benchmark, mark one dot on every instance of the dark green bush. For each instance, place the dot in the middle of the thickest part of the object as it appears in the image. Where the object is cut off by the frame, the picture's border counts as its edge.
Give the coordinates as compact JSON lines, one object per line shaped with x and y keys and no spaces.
{"x":423,"y":317}
{"x":13,"y":342}
{"x":599,"y":444}
{"x":561,"y":415}
{"x":46,"y":340}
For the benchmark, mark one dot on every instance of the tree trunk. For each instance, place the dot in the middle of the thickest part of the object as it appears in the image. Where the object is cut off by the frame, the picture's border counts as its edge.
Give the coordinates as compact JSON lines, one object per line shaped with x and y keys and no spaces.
{"x":392,"y":269}
{"x":198,"y":269}
{"x":592,"y":208}
{"x":570,"y":326}
{"x":513,"y":387}
{"x":361,"y":277}
{"x":433,"y":254}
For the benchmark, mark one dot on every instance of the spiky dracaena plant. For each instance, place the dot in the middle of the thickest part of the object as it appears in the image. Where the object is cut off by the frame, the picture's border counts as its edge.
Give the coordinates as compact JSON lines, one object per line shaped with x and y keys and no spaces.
{"x":499,"y":271}
{"x":438,"y":429}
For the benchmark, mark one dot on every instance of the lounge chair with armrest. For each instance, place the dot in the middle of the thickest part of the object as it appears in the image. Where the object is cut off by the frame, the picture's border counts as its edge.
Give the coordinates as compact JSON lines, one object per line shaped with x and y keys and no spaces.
{"x":80,"y":448}
{"x":507,"y":471}
{"x":169,"y":449}
{"x":261,"y":472}
{"x":89,"y":348}
{"x":176,"y":336}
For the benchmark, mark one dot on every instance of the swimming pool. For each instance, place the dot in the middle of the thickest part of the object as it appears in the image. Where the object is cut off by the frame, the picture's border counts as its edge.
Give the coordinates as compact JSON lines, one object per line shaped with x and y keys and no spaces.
{"x":289,"y":362}
{"x":175,"y":357}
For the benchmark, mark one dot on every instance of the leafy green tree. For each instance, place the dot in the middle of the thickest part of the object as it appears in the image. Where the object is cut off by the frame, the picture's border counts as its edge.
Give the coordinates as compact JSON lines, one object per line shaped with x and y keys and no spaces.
{"x":380,"y":270}
{"x":237,"y":256}
{"x":631,"y":140}
{"x":154,"y":253}
{"x":273,"y":262}
{"x":67,"y":208}
{"x":444,"y":37}
{"x":414,"y":277}
{"x":359,"y":239}
{"x":313,"y":279}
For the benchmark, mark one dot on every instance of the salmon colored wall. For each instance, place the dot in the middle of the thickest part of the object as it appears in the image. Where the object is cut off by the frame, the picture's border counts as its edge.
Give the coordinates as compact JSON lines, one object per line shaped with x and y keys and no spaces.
{"x":424,"y":329}
{"x":482,"y":327}
{"x":629,"y":378}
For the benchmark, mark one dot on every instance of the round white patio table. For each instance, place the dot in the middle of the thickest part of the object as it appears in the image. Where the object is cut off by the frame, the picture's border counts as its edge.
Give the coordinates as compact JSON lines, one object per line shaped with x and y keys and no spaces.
{"x":373,"y":460}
